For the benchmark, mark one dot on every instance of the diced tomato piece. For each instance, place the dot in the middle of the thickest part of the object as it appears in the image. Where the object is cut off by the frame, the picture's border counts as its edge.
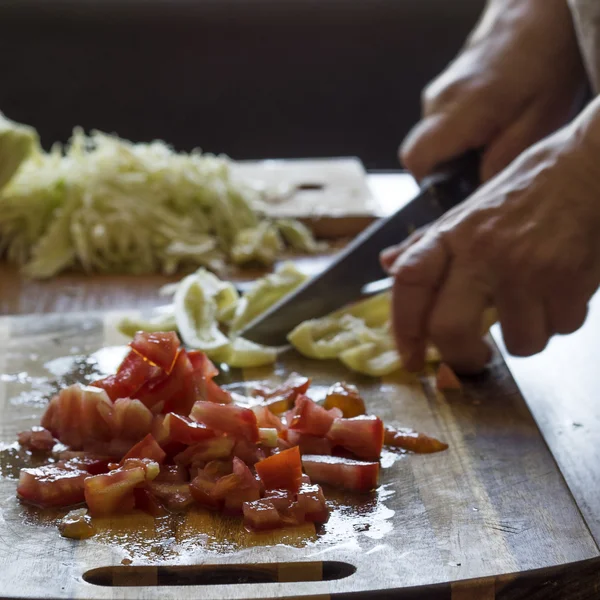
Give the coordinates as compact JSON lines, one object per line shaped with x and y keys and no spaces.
{"x":147,"y":448}
{"x":268,"y":437}
{"x":131,"y":375}
{"x":237,"y":488}
{"x":185,"y":431}
{"x":309,"y":444}
{"x":159,"y":348}
{"x":261,"y":515}
{"x":446,"y":379}
{"x":282,"y":470}
{"x":172,"y":474}
{"x":203,"y":452}
{"x":247,"y":451}
{"x":414,"y":441}
{"x":202,"y":364}
{"x":147,"y":502}
{"x":36,"y":439}
{"x":131,"y":420}
{"x":284,"y":444}
{"x":282,"y":397}
{"x":309,"y":417}
{"x":52,"y":485}
{"x":175,"y":496}
{"x":237,"y":421}
{"x":214,"y":393}
{"x":93,"y":465}
{"x":113,"y":492}
{"x":79,"y":416}
{"x":346,"y":398}
{"x":312,"y":502}
{"x":265,"y":418}
{"x":218,"y":468}
{"x":363,"y":436}
{"x":281,"y":499}
{"x":151,"y":467}
{"x":340,"y":472}
{"x":175,"y":392}
{"x":202,"y":489}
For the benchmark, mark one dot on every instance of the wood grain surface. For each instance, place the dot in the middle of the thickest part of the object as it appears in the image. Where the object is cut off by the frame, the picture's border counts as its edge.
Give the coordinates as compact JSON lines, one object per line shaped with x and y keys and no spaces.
{"x":493,"y":506}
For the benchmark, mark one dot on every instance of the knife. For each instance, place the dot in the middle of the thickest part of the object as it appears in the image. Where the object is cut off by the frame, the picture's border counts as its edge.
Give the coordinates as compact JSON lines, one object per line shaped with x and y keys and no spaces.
{"x":358,"y":264}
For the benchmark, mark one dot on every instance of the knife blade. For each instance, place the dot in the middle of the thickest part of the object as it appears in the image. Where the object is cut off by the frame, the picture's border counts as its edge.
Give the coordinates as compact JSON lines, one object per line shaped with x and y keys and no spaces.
{"x":358,"y":264}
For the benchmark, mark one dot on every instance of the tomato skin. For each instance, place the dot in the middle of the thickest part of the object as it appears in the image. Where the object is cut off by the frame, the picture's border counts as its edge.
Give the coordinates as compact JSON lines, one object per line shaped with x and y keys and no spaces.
{"x":113,"y":492}
{"x":202,"y":364}
{"x":53,"y":485}
{"x":282,"y":398}
{"x":282,"y":470}
{"x":147,"y":502}
{"x":312,"y":502}
{"x":236,"y":421}
{"x":346,"y":398}
{"x":132,"y":373}
{"x":309,"y":444}
{"x":185,"y":431}
{"x":413,"y":441}
{"x":261,"y":515}
{"x":147,"y":448}
{"x":363,"y":436}
{"x":212,"y":449}
{"x":214,"y":393}
{"x":175,"y":496}
{"x":345,"y":473}
{"x":79,"y":416}
{"x":159,"y":349}
{"x":310,"y":418}
{"x":174,"y":392}
{"x":36,"y":439}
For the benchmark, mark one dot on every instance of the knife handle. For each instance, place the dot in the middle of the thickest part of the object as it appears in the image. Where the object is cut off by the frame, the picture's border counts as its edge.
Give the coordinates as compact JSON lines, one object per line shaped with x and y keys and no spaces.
{"x":455,"y":180}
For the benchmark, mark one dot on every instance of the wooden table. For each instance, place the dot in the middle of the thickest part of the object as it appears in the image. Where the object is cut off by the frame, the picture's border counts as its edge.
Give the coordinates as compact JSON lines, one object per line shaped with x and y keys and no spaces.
{"x":560,"y":385}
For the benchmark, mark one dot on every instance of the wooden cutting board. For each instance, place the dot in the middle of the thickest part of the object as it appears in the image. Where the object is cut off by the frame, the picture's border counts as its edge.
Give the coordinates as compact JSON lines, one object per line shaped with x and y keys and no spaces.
{"x":469,"y":523}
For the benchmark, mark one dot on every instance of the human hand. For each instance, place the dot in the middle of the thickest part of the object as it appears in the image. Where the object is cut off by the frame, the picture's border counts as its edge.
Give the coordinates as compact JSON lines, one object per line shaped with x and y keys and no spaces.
{"x":516,"y":81}
{"x":527,"y":243}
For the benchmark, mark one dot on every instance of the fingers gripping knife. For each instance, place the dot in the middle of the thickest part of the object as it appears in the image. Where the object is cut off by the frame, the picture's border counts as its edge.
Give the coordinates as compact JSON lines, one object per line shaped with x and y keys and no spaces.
{"x":358,"y":264}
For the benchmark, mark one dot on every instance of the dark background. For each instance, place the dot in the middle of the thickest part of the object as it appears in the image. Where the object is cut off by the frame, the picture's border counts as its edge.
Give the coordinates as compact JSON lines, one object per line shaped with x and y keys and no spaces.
{"x":251,"y":78}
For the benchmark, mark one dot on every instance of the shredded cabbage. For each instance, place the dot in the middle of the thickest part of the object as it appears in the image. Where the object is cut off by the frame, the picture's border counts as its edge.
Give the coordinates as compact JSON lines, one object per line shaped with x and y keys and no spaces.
{"x":103,"y":204}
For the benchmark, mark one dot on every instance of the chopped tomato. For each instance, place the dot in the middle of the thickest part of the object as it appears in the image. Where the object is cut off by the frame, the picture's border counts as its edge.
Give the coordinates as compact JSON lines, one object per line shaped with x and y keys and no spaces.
{"x":175,"y":392}
{"x":175,"y":496}
{"x":131,"y":375}
{"x":52,"y":485}
{"x":206,"y":451}
{"x":79,"y":416}
{"x":131,"y":420}
{"x":312,"y":502}
{"x":218,"y":468}
{"x":346,"y":398}
{"x":309,"y":417}
{"x":112,"y":492}
{"x":353,"y":475}
{"x":247,"y":451}
{"x":36,"y":439}
{"x":282,"y":470}
{"x":147,"y":448}
{"x":413,"y":441}
{"x":147,"y":502}
{"x":261,"y":515}
{"x":235,"y":420}
{"x":282,"y":397}
{"x":214,"y":393}
{"x":94,"y":465}
{"x":265,"y":418}
{"x":236,"y":488}
{"x":202,"y":489}
{"x":159,"y":349}
{"x":446,"y":379}
{"x":179,"y":429}
{"x":363,"y":436}
{"x":172,"y":474}
{"x":309,"y":444}
{"x":202,"y":364}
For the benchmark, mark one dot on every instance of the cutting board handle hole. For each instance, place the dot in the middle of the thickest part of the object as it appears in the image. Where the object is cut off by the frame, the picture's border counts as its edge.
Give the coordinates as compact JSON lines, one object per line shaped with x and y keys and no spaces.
{"x":310,"y":187}
{"x":146,"y":576}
